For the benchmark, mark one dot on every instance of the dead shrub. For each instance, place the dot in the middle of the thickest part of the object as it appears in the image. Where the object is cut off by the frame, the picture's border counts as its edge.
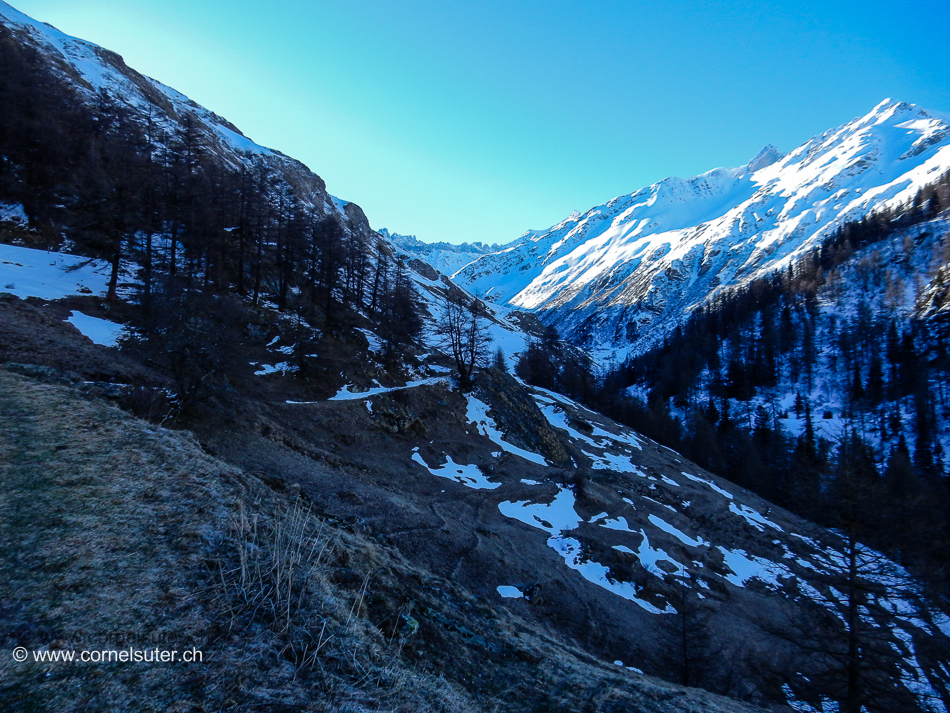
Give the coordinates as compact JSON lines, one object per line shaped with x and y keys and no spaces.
{"x":274,"y":575}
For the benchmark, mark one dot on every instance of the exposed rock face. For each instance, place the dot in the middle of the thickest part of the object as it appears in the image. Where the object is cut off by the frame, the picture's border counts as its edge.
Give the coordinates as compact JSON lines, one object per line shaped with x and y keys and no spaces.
{"x":935,"y":300}
{"x":424,"y":269}
{"x":396,"y":414}
{"x":518,"y":416}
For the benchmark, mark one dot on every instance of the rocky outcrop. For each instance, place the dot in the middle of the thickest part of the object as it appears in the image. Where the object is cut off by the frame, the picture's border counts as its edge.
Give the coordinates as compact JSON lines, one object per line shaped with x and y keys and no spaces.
{"x":518,"y":416}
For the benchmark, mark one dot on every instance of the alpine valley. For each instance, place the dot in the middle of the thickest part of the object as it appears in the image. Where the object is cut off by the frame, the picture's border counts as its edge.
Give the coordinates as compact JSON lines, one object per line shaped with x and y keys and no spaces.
{"x":684,"y":452}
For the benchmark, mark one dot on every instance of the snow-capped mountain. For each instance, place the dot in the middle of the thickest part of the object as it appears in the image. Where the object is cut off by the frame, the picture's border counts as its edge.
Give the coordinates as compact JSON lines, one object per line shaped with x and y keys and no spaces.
{"x":621,"y":275}
{"x":447,"y":258}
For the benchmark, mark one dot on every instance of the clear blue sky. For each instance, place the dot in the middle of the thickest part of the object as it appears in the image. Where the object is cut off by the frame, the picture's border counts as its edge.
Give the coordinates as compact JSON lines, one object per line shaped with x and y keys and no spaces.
{"x":477,"y":120}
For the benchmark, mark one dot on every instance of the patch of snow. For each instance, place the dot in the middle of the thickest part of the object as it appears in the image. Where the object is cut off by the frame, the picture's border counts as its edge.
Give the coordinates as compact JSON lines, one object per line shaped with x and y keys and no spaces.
{"x":375,"y":344}
{"x":796,"y":704}
{"x":662,"y":505}
{"x":555,"y":517}
{"x":681,"y":536}
{"x":468,"y":475}
{"x":807,"y":540}
{"x":509,"y":592}
{"x":281,"y":368}
{"x":628,"y":439}
{"x":596,"y":573}
{"x":619,"y":523}
{"x":13,"y":212}
{"x":553,"y":405}
{"x":745,"y":567}
{"x":558,"y":517}
{"x":25,"y":272}
{"x":942,"y":621}
{"x":345,"y":394}
{"x":616,"y":462}
{"x":649,"y":557}
{"x":710,"y":483}
{"x":100,"y":331}
{"x":753,"y":517}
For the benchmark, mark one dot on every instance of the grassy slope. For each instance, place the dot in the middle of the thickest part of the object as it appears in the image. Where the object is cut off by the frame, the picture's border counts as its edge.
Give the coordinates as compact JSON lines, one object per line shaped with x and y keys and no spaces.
{"x":112,"y":524}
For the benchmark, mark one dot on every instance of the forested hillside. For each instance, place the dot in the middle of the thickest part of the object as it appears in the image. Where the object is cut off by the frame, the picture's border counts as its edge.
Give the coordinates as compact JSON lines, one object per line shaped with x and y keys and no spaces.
{"x":157,"y":193}
{"x":822,"y":381}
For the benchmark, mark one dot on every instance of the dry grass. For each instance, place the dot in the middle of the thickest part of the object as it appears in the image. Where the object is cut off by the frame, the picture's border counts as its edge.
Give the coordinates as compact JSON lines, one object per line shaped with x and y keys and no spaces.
{"x":277,"y":572}
{"x":113,"y":525}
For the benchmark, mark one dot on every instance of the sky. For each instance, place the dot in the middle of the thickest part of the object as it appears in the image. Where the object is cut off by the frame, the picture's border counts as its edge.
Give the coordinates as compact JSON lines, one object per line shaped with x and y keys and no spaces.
{"x":475,"y":121}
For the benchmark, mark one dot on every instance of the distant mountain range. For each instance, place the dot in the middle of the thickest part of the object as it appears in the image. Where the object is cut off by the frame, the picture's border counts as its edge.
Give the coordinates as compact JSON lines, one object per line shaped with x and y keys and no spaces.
{"x":447,"y":258}
{"x":620,"y":276}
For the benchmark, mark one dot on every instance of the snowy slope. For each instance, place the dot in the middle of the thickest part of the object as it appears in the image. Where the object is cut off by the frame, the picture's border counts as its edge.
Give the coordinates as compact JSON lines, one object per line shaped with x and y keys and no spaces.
{"x":49,"y":276}
{"x":678,"y":524}
{"x":623,"y":273}
{"x":501,"y":323}
{"x":644,"y":530}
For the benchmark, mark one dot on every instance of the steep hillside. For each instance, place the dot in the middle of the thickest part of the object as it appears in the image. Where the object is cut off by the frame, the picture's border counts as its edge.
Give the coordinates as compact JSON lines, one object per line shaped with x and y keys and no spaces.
{"x":356,"y":512}
{"x":118,"y":535}
{"x":804,"y":379}
{"x":623,"y":274}
{"x":595,"y":537}
{"x":95,"y":72}
{"x":102,"y":162}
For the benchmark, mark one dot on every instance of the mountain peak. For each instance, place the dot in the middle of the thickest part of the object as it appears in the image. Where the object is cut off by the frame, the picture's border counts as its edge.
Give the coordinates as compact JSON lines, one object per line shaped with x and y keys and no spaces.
{"x":888,"y":105}
{"x":766,"y":157}
{"x":633,"y":265}
{"x":891,"y":108}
